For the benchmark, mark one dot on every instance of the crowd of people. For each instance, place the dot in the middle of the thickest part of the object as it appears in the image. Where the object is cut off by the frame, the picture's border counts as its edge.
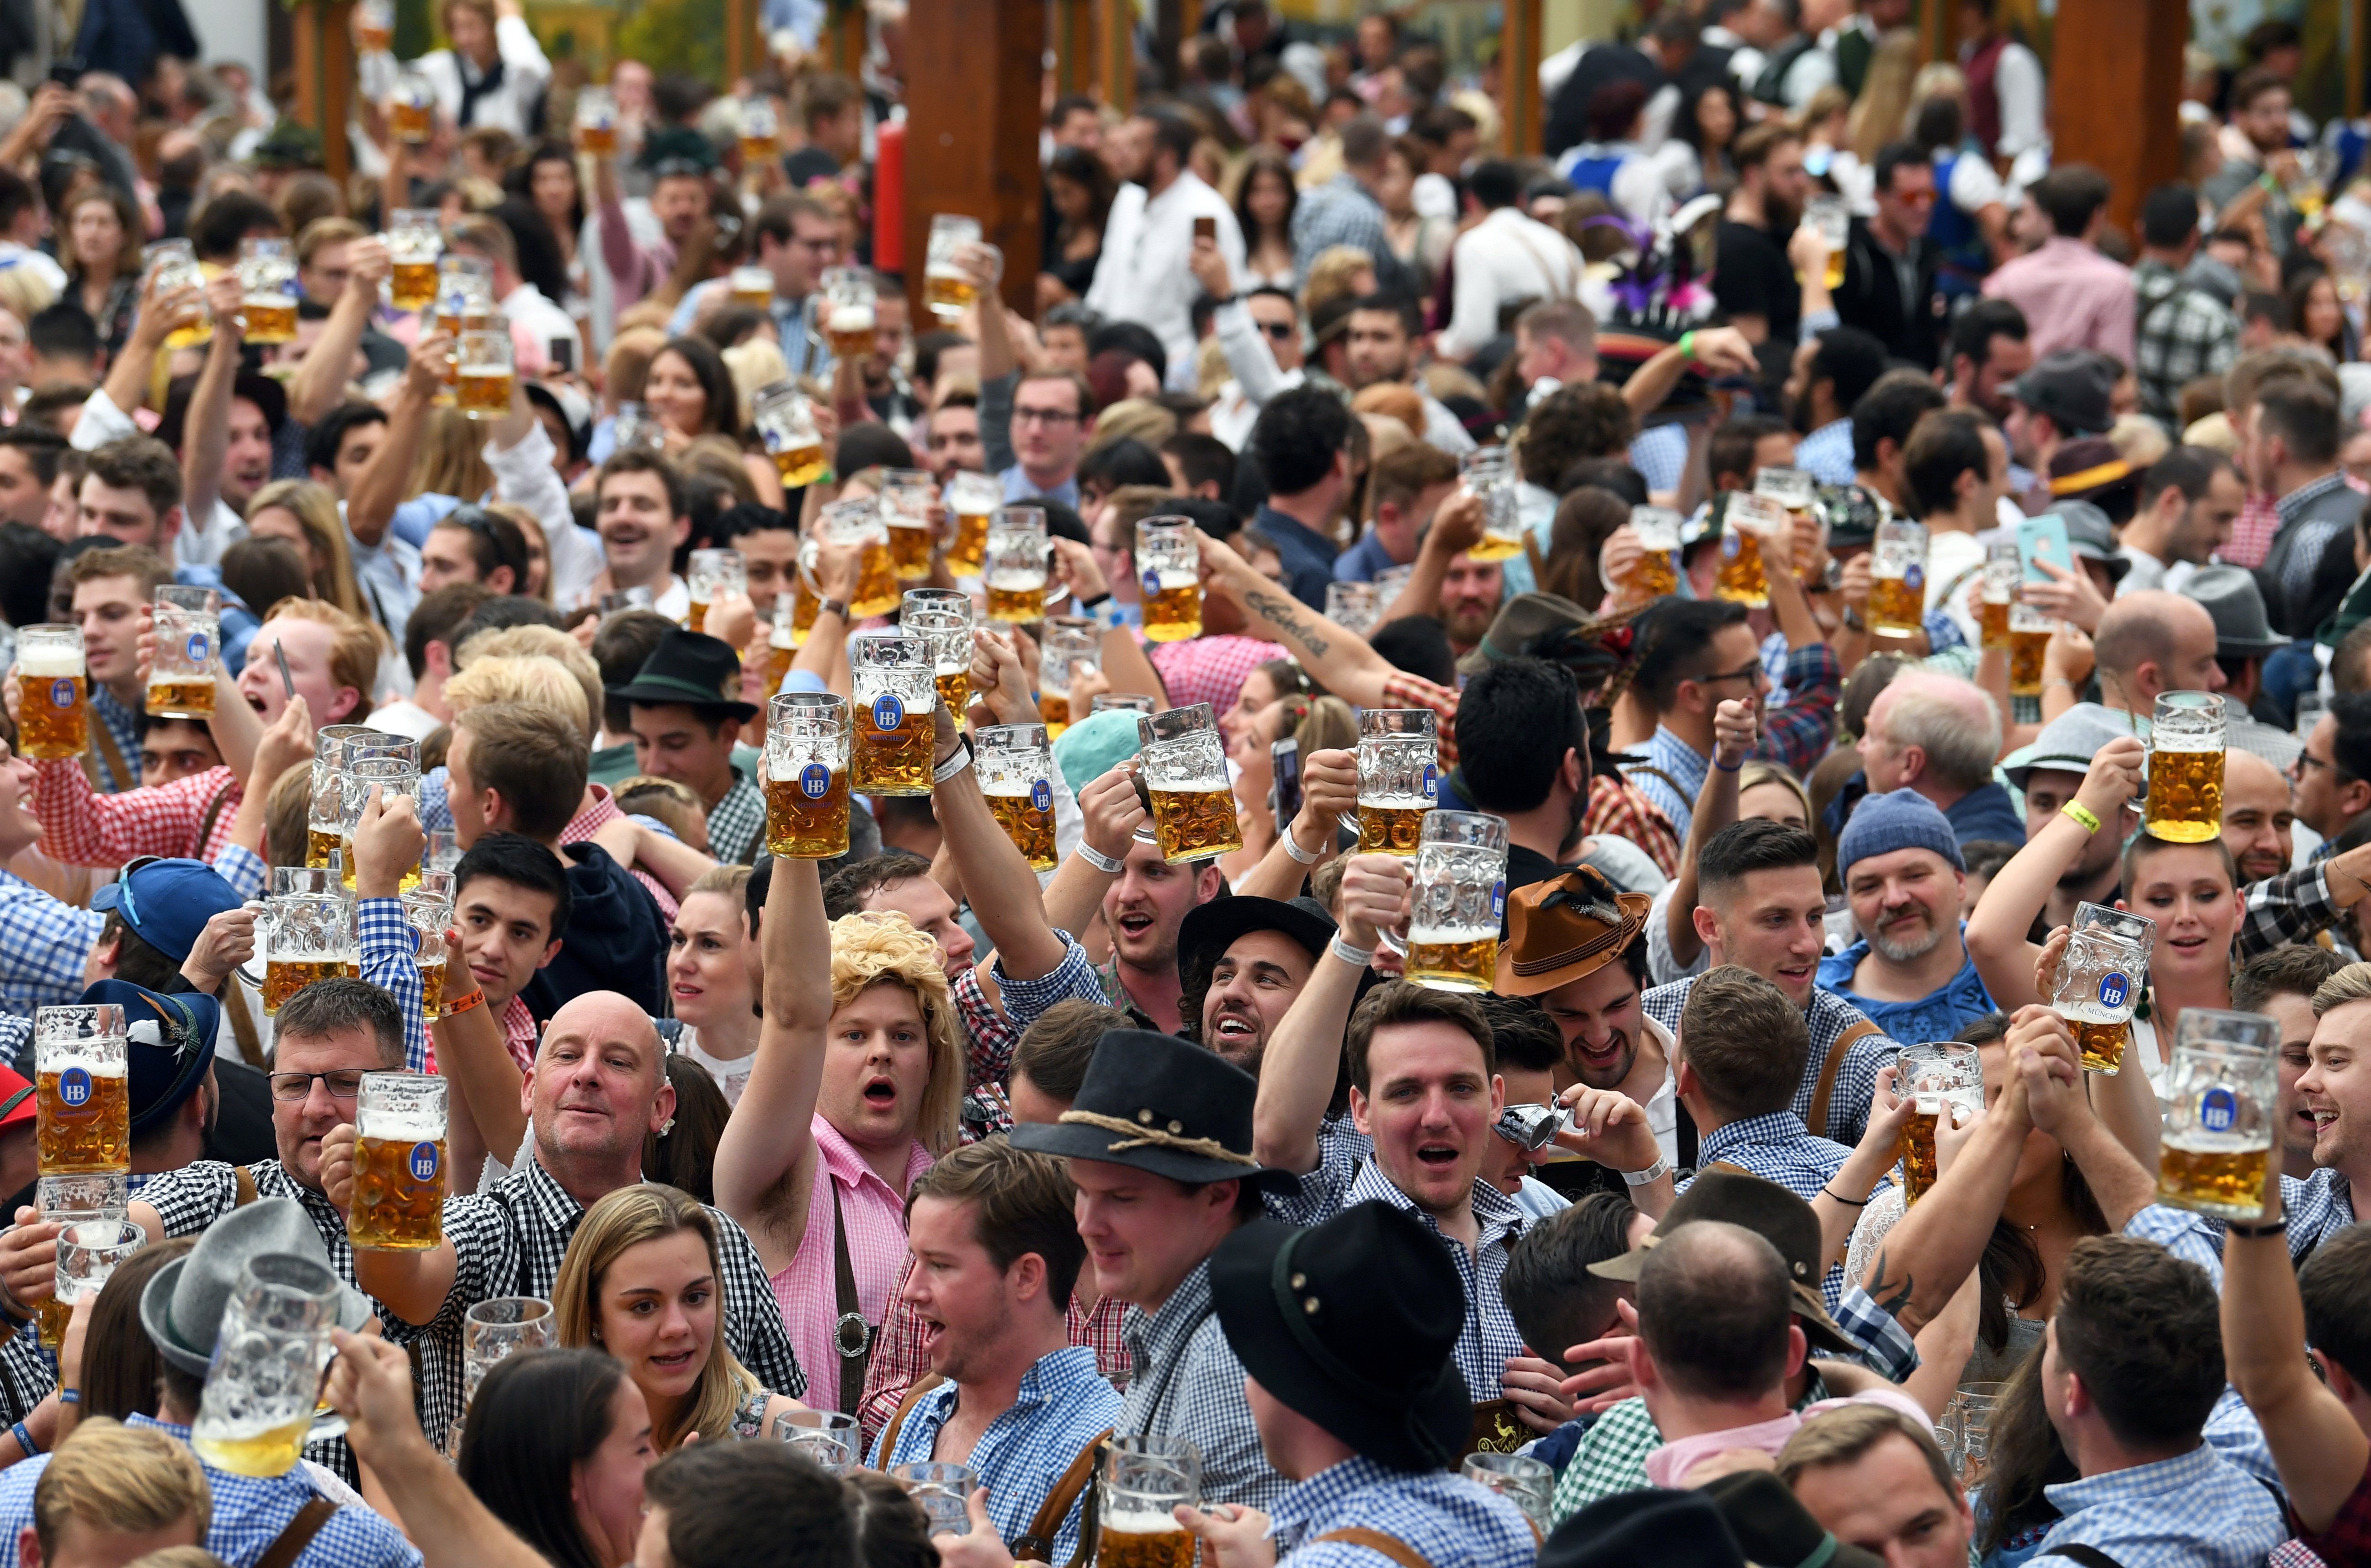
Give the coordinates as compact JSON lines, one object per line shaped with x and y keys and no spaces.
{"x":1596,"y":465}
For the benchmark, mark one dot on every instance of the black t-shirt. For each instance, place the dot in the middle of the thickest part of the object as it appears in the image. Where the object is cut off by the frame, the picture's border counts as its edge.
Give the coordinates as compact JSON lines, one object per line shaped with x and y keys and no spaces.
{"x":808,"y":165}
{"x":1753,"y":277}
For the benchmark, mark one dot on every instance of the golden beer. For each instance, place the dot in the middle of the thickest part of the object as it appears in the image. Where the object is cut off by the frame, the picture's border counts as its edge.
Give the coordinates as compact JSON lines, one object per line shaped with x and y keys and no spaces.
{"x":803,"y":614}
{"x":777,"y":664}
{"x":851,"y":334}
{"x":413,"y":122}
{"x":1742,"y":579}
{"x":320,"y":843}
{"x":399,"y":1202}
{"x":755,"y":150}
{"x":909,"y":553}
{"x":599,"y":140}
{"x":284,"y":977}
{"x":484,"y":393}
{"x":877,"y":586}
{"x":1468,"y":965}
{"x":1174,"y":613}
{"x":1054,"y":708}
{"x":695,"y":618}
{"x":1016,"y":598}
{"x":967,"y":557}
{"x":2025,"y":650}
{"x":803,"y":826}
{"x":53,"y":1314}
{"x":955,"y":691}
{"x":1029,"y":825}
{"x":755,"y":299}
{"x":1895,"y":605}
{"x":2212,"y":1173}
{"x":801,"y":465}
{"x":1195,"y":824}
{"x":53,"y":714}
{"x":1918,"y":1160}
{"x":270,"y":1453}
{"x":1497,"y":547}
{"x":346,"y":859}
{"x":1833,"y":274}
{"x":84,"y":1121}
{"x":432,"y":989}
{"x":191,"y":696}
{"x":2185,"y":795}
{"x":1992,"y":623}
{"x":2102,"y":1046}
{"x":1142,"y":1541}
{"x":891,"y":762}
{"x":947,"y":294}
{"x":372,"y":38}
{"x":1657,"y":575}
{"x":412,"y":285}
{"x":1391,"y":830}
{"x":270,"y":320}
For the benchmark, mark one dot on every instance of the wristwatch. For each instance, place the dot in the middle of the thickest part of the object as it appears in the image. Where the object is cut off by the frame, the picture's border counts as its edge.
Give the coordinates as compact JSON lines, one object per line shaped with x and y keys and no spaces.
{"x":833,"y":606}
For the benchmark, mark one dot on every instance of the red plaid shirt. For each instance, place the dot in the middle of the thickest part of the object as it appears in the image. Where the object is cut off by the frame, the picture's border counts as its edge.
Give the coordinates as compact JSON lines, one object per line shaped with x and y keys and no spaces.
{"x":83,"y":828}
{"x":1404,"y":690}
{"x":2252,"y":531}
{"x":898,"y":1360}
{"x":1209,"y":669}
{"x":600,"y":815}
{"x":1619,"y":810}
{"x":2348,"y":1538}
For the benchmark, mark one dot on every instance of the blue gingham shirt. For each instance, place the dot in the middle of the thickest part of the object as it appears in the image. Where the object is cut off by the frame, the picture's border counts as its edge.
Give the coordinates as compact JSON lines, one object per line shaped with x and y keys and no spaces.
{"x":2231,"y":1430}
{"x":1063,"y":1405}
{"x":2318,"y":1208}
{"x":736,"y":822}
{"x":1660,"y":452}
{"x":391,"y":962}
{"x":1829,"y":1016}
{"x":243,"y":868}
{"x":1185,"y":1381}
{"x":124,"y":728}
{"x":1777,"y":1148}
{"x":249,"y":1512}
{"x":2196,"y":1510}
{"x":1340,"y":211}
{"x":1446,"y":1519}
{"x":43,"y":944}
{"x":1675,"y":763}
{"x":1827,"y":452}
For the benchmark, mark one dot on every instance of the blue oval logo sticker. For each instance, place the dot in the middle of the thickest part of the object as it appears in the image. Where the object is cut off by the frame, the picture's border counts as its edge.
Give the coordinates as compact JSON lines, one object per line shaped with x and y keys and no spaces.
{"x":1152,"y":580}
{"x":1041,"y":795}
{"x":196,"y":648}
{"x":2113,"y":989}
{"x":1914,"y":579}
{"x":73,"y":1088}
{"x":424,"y":1162}
{"x":62,"y":693}
{"x":1730,"y":543}
{"x":1431,"y":782}
{"x":888,"y":713}
{"x":2218,"y":1110}
{"x":1498,"y":899}
{"x":814,"y":779}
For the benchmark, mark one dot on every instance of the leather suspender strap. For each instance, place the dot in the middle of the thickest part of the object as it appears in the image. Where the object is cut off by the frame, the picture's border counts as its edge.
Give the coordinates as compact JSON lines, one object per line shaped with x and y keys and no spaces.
{"x":2089,"y":1556}
{"x":852,"y":1334}
{"x":290,"y":1543}
{"x":1037,"y":1543}
{"x":214,"y":810}
{"x":1391,"y":1547}
{"x":242,"y":1021}
{"x":104,"y":739}
{"x":245,"y":1186}
{"x":922,"y":1385}
{"x":1818,"y":1119}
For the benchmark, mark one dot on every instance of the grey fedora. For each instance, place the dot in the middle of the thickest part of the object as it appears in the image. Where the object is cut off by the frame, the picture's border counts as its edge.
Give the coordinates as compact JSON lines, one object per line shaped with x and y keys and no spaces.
{"x":181,"y":1306}
{"x":2068,"y":743}
{"x":2231,"y":596}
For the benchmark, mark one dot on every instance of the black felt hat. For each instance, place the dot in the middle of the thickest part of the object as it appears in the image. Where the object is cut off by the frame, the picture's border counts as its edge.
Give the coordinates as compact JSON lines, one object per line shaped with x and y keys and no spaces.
{"x":1161,"y":1104}
{"x":693,"y":670}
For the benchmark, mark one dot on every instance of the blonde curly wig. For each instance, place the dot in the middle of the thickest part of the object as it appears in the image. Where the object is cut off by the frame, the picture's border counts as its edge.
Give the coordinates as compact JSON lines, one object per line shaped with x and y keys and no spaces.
{"x":877,"y":947}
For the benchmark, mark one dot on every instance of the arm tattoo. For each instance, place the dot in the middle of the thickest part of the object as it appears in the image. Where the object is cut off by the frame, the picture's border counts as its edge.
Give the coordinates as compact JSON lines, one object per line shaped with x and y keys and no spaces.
{"x":1284,"y":613}
{"x":1894,"y":1295}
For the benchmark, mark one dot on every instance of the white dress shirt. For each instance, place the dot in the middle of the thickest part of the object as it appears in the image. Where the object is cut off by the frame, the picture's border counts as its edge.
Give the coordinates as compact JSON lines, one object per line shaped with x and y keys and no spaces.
{"x":1143,"y":275}
{"x":510,"y":105}
{"x":1505,"y":258}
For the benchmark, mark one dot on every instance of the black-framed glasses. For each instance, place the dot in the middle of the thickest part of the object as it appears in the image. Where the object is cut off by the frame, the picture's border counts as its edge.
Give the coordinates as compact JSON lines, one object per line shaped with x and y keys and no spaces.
{"x":1743,"y":673}
{"x":1280,"y":330}
{"x":2305,"y":760}
{"x":342,"y":1084}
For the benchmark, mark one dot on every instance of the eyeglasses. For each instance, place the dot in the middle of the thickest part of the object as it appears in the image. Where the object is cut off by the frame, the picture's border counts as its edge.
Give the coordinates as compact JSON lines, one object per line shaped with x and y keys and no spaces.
{"x":2304,"y":761}
{"x":1044,"y":416}
{"x":1280,"y":330}
{"x":1745,"y":673}
{"x":290,"y":1088}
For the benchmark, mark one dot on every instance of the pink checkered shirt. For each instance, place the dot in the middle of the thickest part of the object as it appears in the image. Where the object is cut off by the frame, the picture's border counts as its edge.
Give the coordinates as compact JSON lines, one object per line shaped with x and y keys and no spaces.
{"x":1209,"y":669}
{"x":600,"y":815}
{"x":2252,"y":531}
{"x":83,"y":828}
{"x":805,"y":1287}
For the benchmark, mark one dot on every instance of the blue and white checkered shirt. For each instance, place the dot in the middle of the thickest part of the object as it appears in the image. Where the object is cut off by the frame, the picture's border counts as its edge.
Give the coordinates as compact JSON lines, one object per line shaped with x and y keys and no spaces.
{"x":1340,"y":211}
{"x":2318,"y":1208}
{"x":249,"y":1512}
{"x":1829,"y":1016}
{"x":1447,"y":1520}
{"x":2196,"y":1510}
{"x":1777,"y":1148}
{"x":2231,"y":1427}
{"x":1063,"y":1405}
{"x":391,"y":962}
{"x":1675,"y":763}
{"x":124,"y":728}
{"x":1827,"y":452}
{"x":1660,"y":452}
{"x":1185,"y":1381}
{"x":43,"y":944}
{"x":243,"y":868}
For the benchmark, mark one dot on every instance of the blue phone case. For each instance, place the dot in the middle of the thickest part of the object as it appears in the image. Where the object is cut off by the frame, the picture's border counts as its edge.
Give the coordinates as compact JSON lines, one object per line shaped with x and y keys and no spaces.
{"x":2044,"y":539}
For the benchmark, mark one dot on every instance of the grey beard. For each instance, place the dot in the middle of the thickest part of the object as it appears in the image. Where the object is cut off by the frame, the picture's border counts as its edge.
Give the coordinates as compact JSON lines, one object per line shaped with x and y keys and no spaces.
{"x":1902,"y":952}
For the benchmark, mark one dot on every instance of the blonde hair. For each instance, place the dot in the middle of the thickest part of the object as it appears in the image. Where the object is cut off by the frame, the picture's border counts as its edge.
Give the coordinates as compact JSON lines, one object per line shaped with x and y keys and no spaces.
{"x":451,"y":459}
{"x":731,"y":881}
{"x":1139,"y":418}
{"x":315,"y":507}
{"x":107,"y":1476}
{"x":1882,"y":110}
{"x":2352,"y":983}
{"x":544,"y":683}
{"x":1758,"y":773}
{"x":353,"y":648}
{"x":754,"y":365}
{"x":287,"y":815}
{"x":1332,"y":275}
{"x":876,"y":947}
{"x":628,"y":361}
{"x":25,"y":291}
{"x":539,"y":642}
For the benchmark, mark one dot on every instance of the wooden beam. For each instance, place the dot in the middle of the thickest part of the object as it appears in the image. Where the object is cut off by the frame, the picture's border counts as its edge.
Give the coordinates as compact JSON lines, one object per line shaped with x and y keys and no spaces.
{"x":2121,"y":122}
{"x":323,"y":53}
{"x":1518,"y":80}
{"x":1115,"y":36}
{"x":739,"y":27}
{"x":972,"y":74}
{"x":845,"y":39}
{"x":1071,"y":27}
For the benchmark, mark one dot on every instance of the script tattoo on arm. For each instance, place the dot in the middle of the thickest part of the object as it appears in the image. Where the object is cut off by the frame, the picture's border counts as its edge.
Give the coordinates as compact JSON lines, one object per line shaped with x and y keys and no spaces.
{"x":1285,"y":613}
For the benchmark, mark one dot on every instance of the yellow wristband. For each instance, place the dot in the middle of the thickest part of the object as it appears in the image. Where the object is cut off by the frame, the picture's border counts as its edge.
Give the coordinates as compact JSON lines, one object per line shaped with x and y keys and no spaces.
{"x":2080,"y":813}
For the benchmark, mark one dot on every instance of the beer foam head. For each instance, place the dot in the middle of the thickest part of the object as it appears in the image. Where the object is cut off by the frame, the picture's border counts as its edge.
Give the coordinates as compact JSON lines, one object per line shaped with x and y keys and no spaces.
{"x":49,"y":661}
{"x":851,"y":319}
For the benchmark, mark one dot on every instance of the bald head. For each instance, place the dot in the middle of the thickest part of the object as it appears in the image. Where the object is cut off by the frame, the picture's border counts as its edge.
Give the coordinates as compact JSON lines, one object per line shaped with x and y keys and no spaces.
{"x":1716,"y":1313}
{"x":2258,"y":816}
{"x":599,"y":1084}
{"x":2152,"y":642}
{"x":1932,"y":732}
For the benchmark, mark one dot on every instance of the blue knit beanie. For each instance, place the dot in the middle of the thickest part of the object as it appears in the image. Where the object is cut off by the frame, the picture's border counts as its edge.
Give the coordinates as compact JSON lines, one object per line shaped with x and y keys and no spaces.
{"x":1903,"y":819}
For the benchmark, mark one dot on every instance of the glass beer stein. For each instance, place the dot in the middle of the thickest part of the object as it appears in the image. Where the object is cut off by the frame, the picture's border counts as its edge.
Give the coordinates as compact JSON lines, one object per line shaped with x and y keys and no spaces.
{"x":761,"y":132}
{"x":265,"y":1379}
{"x":484,"y":371}
{"x":1016,"y":771}
{"x":2185,"y":767}
{"x":1399,"y":778}
{"x":69,"y":1201}
{"x":325,"y":819}
{"x":948,"y":633}
{"x":947,"y":289}
{"x":807,"y":736}
{"x":896,"y":696}
{"x":942,"y":1491}
{"x":637,"y":426}
{"x":1460,"y":899}
{"x":267,"y":281}
{"x":827,"y":1436}
{"x":710,"y":575}
{"x":2002,"y":575}
{"x":785,"y":422}
{"x":1184,"y":769}
{"x":1941,"y":1077}
{"x":1353,"y":607}
{"x":1897,"y":585}
{"x":596,"y":121}
{"x":399,"y":1162}
{"x":851,"y":521}
{"x":2222,"y":1098}
{"x":171,"y":264}
{"x":414,"y":241}
{"x":189,"y":633}
{"x":848,"y":312}
{"x":2028,"y":639}
{"x":1658,"y":573}
{"x":83,"y":1089}
{"x":1072,"y":641}
{"x":1170,"y":564}
{"x":306,"y":933}
{"x":1489,"y":472}
{"x":1014,"y":566}
{"x":971,"y":498}
{"x":906,"y":496}
{"x":428,"y":908}
{"x":2100,"y":976}
{"x":412,"y":106}
{"x":53,"y":706}
{"x":1754,"y":534}
{"x":1143,"y":1483}
{"x":1832,"y":216}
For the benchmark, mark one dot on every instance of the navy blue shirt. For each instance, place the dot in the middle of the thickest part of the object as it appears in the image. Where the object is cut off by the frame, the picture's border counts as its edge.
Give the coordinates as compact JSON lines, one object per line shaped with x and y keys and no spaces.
{"x":1363,"y":561}
{"x":1308,"y":555}
{"x":1986,"y":812}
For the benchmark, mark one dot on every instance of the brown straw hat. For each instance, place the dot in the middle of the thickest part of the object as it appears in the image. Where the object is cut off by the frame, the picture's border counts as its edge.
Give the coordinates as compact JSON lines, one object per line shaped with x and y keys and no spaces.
{"x":1567,"y":927}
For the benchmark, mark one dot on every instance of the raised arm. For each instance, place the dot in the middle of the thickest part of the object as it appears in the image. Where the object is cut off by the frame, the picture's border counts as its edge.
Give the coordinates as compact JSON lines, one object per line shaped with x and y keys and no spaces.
{"x":1716,"y":350}
{"x":1304,"y":1056}
{"x":319,"y":384}
{"x":1736,"y":730}
{"x":996,"y":880}
{"x":1339,"y":660}
{"x":765,"y":1161}
{"x":1112,"y":812}
{"x":1329,"y":791}
{"x":382,"y":485}
{"x":472,"y":1053}
{"x":128,"y":377}
{"x":1456,"y":528}
{"x":1997,"y":926}
{"x":205,"y":437}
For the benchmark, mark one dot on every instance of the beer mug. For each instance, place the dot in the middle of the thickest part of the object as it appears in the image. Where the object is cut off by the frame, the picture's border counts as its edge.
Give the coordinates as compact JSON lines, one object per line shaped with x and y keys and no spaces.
{"x":1527,"y":1482}
{"x":1169,"y":565}
{"x":635,"y":426}
{"x":1752,"y":526}
{"x":265,"y":1377}
{"x":849,"y":317}
{"x":324,"y":821}
{"x":2184,"y":794}
{"x":596,"y":121}
{"x":1658,"y":573}
{"x":1972,"y":1419}
{"x":2003,"y":571}
{"x":428,"y":909}
{"x":827,"y":1436}
{"x":399,"y":1159}
{"x":485,"y":370}
{"x":782,"y":637}
{"x":1016,"y":771}
{"x":711,"y":575}
{"x":69,"y":1201}
{"x":307,"y":934}
{"x":498,"y":1328}
{"x":1353,"y":607}
{"x":2311,"y":707}
{"x":947,"y":289}
{"x":1461,"y":901}
{"x":1124,"y":702}
{"x":374,"y":25}
{"x":761,"y":132}
{"x":807,"y":736}
{"x":414,"y":241}
{"x":391,"y":773}
{"x":172,"y":264}
{"x":1072,"y":641}
{"x":1897,"y":583}
{"x":1144,"y":1482}
{"x":906,"y":496}
{"x":1391,"y":583}
{"x":785,"y":422}
{"x":444,"y":851}
{"x":267,"y":281}
{"x":189,"y":635}
{"x":83,"y":1086}
{"x":752,"y":286}
{"x":948,"y":635}
{"x":1489,"y":472}
{"x":1184,"y":769}
{"x":1014,"y":566}
{"x":971,"y":497}
{"x":412,"y":106}
{"x":2100,"y":980}
{"x":896,"y":697}
{"x":1399,"y":778}
{"x":1832,"y":216}
{"x":2028,"y":639}
{"x":1939,"y":1078}
{"x":89,"y":1252}
{"x":852,"y":522}
{"x":53,"y":683}
{"x":2222,"y":1098}
{"x":943,"y":1491}
{"x":805,"y":600}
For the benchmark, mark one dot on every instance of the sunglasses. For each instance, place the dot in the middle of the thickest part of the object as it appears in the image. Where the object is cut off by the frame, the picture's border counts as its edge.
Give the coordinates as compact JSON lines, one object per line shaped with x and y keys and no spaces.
{"x":1280,"y":330}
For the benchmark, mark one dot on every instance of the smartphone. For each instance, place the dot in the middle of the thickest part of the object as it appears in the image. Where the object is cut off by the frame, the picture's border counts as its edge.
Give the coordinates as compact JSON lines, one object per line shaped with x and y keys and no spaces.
{"x":287,"y":681}
{"x":1205,"y":228}
{"x":2044,"y":539}
{"x":1284,"y":757}
{"x":67,"y":71}
{"x":563,"y":355}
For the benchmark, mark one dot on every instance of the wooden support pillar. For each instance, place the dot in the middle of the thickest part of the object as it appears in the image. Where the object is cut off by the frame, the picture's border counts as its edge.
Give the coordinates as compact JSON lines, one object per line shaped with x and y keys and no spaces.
{"x":845,"y":39}
{"x":1114,"y":34}
{"x":1071,"y":25}
{"x":1518,"y":80}
{"x":2123,"y":121}
{"x":322,"y":44}
{"x":740,"y":31}
{"x":972,"y":73}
